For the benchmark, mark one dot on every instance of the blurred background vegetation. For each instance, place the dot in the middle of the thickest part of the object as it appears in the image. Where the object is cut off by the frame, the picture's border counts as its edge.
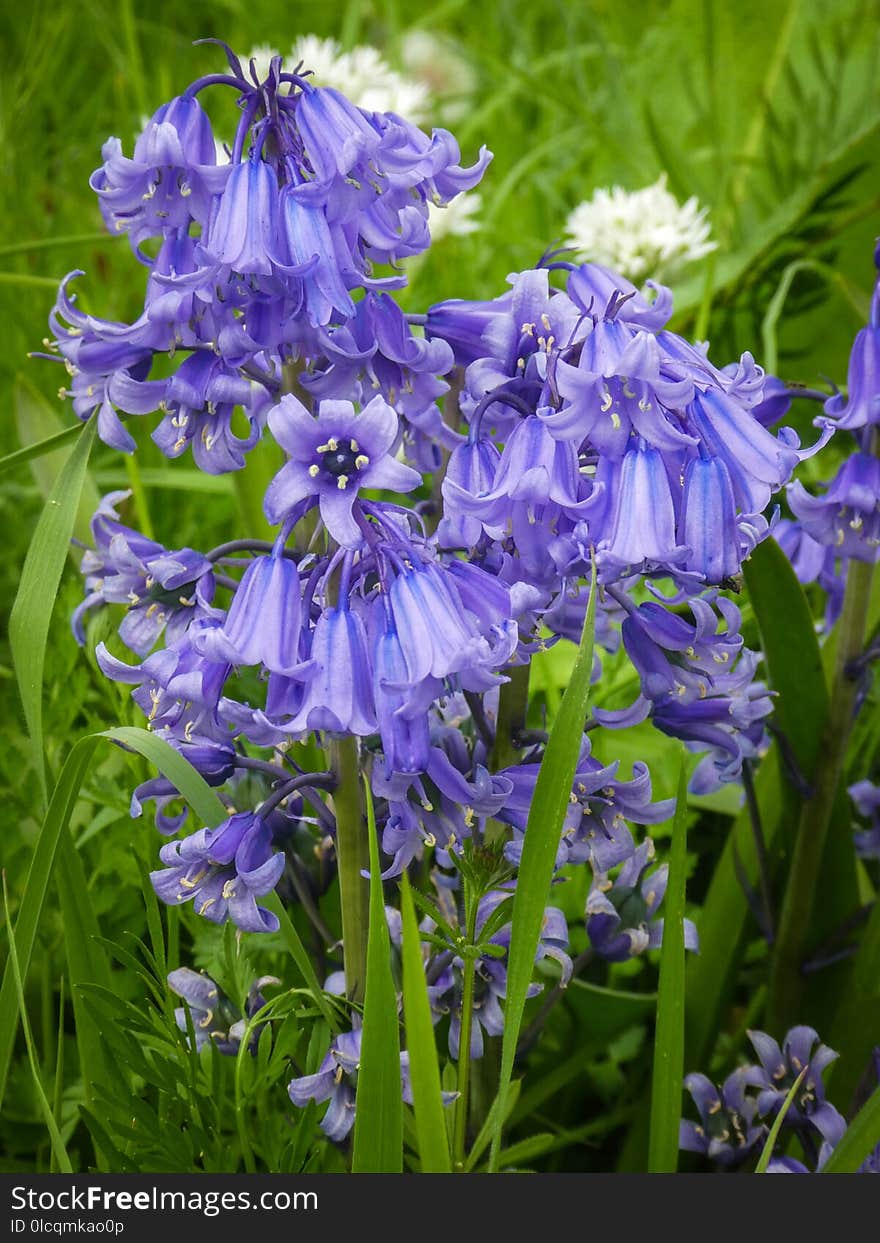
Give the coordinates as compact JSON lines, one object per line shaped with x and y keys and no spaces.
{"x":767,"y":110}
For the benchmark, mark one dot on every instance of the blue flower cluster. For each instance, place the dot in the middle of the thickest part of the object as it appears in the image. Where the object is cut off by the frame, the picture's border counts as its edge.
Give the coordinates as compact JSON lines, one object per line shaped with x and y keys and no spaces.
{"x":735,"y":1118}
{"x":577,"y":431}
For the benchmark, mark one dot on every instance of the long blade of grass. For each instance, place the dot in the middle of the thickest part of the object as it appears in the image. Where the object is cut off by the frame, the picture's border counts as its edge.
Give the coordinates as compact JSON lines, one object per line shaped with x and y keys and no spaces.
{"x":13,"y":460}
{"x":669,"y":1035}
{"x":424,"y":1068}
{"x":770,"y":1142}
{"x":543,"y":830}
{"x":38,"y":587}
{"x":59,"y":1151}
{"x":378,"y":1126}
{"x":201,"y":798}
{"x":86,"y":960}
{"x":63,"y":800}
{"x":860,"y":1138}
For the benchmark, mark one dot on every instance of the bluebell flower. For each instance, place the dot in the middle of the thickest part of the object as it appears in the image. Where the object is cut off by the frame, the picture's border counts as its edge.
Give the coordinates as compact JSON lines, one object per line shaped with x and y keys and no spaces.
{"x":164,"y":589}
{"x":621,"y":913}
{"x":263,"y":625}
{"x":847,"y":516}
{"x":170,"y":178}
{"x":809,"y":1112}
{"x":214,"y":760}
{"x":641,"y":526}
{"x":866,"y":797}
{"x":336,"y":1081}
{"x":177,"y":689}
{"x":596,"y":827}
{"x":338,"y":695}
{"x":698,"y":684}
{"x":199,"y":404}
{"x":243,"y":231}
{"x":861,"y":406}
{"x":490,"y":971}
{"x":332,"y":456}
{"x":215,"y":1018}
{"x":223,"y":871}
{"x":729,"y":1130}
{"x":402,"y":718}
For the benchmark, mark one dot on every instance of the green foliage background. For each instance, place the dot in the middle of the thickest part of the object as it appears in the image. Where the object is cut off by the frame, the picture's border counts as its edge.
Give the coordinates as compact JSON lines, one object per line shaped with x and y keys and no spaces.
{"x":767,"y":110}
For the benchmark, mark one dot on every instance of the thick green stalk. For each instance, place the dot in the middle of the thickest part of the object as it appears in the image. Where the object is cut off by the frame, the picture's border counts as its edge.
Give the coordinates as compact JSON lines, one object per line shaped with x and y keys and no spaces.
{"x":469,"y":970}
{"x":352,"y":860}
{"x":513,"y":701}
{"x":786,"y":980}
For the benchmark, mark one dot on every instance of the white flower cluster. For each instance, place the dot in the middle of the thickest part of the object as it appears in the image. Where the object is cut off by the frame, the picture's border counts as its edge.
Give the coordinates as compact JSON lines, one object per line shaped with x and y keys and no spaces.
{"x":368,"y":81}
{"x":642,"y":233}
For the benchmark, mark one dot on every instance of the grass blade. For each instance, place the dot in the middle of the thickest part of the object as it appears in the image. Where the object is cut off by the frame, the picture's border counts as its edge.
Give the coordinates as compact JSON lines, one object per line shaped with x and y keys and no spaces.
{"x":57,"y":817}
{"x":669,"y":1036}
{"x":378,"y":1127}
{"x":13,"y":460}
{"x":86,"y":960}
{"x":38,"y":587}
{"x":861,"y":1137}
{"x":59,"y":1151}
{"x":770,"y":1142}
{"x":192,"y":786}
{"x":543,"y":830}
{"x":424,"y":1068}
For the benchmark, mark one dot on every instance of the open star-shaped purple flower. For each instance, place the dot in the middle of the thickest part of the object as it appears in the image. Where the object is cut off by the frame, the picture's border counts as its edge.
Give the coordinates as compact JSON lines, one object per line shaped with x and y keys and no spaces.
{"x":333,"y":456}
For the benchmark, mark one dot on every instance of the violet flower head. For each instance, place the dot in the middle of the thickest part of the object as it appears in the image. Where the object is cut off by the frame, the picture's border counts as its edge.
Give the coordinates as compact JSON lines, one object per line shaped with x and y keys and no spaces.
{"x":861,"y":406}
{"x":866,"y":797}
{"x":168,"y":181}
{"x":331,"y":458}
{"x":729,"y":1129}
{"x":621,"y":913}
{"x":809,"y":1113}
{"x":223,"y":871}
{"x":263,"y":625}
{"x":215,"y":1018}
{"x":847,"y":516}
{"x":164,"y":589}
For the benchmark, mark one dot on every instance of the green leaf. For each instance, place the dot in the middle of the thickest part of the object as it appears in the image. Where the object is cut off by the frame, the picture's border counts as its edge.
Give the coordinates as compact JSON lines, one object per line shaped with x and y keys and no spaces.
{"x":422,"y":1046}
{"x":179,"y":771}
{"x":378,"y":1126}
{"x":57,"y":817}
{"x":723,"y":922}
{"x":791,"y":649}
{"x":859,"y":1140}
{"x":38,"y":587}
{"x":86,"y":960}
{"x":543,"y":830}
{"x":770,"y":1142}
{"x":57,"y":441}
{"x":62,"y":1160}
{"x":796,"y":673}
{"x":669,"y":1035}
{"x":37,"y":421}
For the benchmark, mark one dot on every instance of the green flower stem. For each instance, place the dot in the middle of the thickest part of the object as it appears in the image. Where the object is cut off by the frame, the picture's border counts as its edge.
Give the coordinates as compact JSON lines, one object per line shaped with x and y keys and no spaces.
{"x":352,"y":859}
{"x":469,"y":970}
{"x":786,"y":980}
{"x":139,"y":493}
{"x":513,"y":700}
